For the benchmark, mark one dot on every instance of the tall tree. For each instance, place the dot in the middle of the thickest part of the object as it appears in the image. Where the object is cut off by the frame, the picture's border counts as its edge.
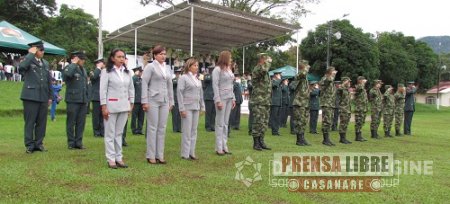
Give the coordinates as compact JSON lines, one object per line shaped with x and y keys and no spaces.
{"x":427,"y":65}
{"x":27,"y":14}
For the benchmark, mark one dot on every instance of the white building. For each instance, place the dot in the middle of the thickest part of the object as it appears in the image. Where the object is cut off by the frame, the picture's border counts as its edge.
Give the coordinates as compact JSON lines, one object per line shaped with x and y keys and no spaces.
{"x":430,"y":96}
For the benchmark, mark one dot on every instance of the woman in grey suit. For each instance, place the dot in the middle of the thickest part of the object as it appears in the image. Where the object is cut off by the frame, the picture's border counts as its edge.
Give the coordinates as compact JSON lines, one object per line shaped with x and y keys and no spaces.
{"x":157,"y":101}
{"x":190,"y":102}
{"x":116,"y":99}
{"x":224,"y":100}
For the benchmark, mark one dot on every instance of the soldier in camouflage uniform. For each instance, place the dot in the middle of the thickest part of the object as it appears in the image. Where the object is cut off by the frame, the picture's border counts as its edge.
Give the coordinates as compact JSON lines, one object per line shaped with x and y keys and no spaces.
{"x":345,"y":112}
{"x":388,"y":110}
{"x":361,"y":103}
{"x":335,"y":124}
{"x":292,"y":87}
{"x":327,"y":103}
{"x":301,"y":105}
{"x":376,"y":102}
{"x":399,"y":108}
{"x":260,"y":100}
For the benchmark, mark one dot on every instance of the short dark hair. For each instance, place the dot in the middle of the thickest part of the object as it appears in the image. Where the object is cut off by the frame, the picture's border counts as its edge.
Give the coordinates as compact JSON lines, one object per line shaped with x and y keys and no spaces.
{"x":158,"y":49}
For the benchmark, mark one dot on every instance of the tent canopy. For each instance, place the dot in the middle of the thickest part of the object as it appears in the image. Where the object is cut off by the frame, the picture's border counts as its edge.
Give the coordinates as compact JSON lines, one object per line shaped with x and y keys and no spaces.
{"x":13,"y":39}
{"x":289,"y":71}
{"x":215,"y":28}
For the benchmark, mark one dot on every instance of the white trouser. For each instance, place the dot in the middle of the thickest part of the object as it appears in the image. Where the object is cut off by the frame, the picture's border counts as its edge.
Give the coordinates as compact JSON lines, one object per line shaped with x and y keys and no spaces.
{"x":156,"y":129}
{"x":222,"y":119}
{"x":189,"y":133}
{"x":113,"y":135}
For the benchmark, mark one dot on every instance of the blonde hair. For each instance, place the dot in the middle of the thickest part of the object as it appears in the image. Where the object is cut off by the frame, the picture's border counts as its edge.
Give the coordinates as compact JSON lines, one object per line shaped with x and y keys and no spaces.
{"x":188,"y":64}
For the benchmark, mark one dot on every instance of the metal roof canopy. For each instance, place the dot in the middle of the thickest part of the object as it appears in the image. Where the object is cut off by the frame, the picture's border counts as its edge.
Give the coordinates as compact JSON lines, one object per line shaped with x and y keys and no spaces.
{"x":202,"y":26}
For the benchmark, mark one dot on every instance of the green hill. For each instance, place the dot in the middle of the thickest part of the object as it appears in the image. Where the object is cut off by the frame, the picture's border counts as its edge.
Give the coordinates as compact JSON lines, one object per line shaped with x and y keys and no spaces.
{"x":433,"y":42}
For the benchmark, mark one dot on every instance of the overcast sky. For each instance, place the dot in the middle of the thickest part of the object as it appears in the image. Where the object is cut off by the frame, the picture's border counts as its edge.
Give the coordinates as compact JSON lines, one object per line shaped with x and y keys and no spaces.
{"x":413,"y":18}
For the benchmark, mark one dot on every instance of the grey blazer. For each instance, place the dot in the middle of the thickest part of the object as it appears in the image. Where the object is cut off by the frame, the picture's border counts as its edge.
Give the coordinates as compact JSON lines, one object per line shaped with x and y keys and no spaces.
{"x":117,"y":95}
{"x":155,"y":87}
{"x":222,"y":85}
{"x":190,"y":96}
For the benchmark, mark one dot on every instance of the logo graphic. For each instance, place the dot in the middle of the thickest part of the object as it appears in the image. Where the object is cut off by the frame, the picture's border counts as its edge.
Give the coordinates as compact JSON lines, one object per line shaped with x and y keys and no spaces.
{"x":8,"y":32}
{"x":248,"y":163}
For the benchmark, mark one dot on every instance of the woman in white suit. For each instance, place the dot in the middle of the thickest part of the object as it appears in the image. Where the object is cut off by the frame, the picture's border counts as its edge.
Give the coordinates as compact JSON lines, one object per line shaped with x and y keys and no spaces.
{"x":190,"y":102}
{"x":116,"y":99}
{"x":223,"y":79}
{"x":157,"y":101}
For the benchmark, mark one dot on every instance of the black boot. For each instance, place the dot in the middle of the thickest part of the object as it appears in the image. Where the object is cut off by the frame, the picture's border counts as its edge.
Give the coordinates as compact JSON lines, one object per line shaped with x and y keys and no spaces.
{"x":359,"y":137}
{"x":374,"y":134}
{"x":343,"y":139}
{"x":326,"y":139}
{"x":301,"y":141}
{"x":262,"y":144}
{"x":397,"y":133}
{"x":387,"y":134}
{"x":256,"y":145}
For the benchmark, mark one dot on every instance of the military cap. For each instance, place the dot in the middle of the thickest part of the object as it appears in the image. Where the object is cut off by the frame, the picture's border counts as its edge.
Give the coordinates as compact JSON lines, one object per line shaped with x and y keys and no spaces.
{"x":237,"y":74}
{"x":313,"y":82}
{"x":377,"y":81}
{"x":345,"y":79}
{"x":79,"y":54}
{"x":400,"y":85}
{"x":262,"y":54}
{"x":337,"y":82}
{"x":178,"y":70}
{"x":138,"y":68}
{"x":387,"y":87}
{"x":411,"y":82}
{"x":211,"y":67}
{"x":39,"y":44}
{"x":99,"y":60}
{"x":329,"y":69}
{"x":361,"y":78}
{"x":277,"y":72}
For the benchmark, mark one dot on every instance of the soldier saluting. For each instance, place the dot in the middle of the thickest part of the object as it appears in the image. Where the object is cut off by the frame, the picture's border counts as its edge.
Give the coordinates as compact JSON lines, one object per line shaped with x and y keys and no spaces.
{"x":301,"y":105}
{"x":376,"y":102}
{"x":327,"y":103}
{"x":97,"y":117}
{"x":388,"y":110}
{"x":399,"y":108}
{"x":345,"y":112}
{"x":36,"y":96}
{"x":361,"y":103}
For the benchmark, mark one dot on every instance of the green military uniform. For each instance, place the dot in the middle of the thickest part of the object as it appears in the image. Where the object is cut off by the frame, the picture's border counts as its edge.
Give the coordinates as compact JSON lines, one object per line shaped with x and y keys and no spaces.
{"x":137,"y":115}
{"x":97,"y":117}
{"x":345,"y":112}
{"x":275,"y":107}
{"x":36,"y":93}
{"x":388,"y":111}
{"x":314,"y":107}
{"x":399,"y":109}
{"x":176,"y":117}
{"x":235,"y":114}
{"x":260,"y":102}
{"x":250,"y":112}
{"x":409,"y":108}
{"x":292,"y":86}
{"x":335,"y":125}
{"x":376,"y":102}
{"x":361,"y":103}
{"x":208,"y":96}
{"x":77,"y":99}
{"x":284,"y":105}
{"x":301,"y":107}
{"x":327,"y":103}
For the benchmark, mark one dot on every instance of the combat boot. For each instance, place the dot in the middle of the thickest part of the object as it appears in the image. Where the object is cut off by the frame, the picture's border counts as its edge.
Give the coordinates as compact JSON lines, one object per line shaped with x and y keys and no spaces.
{"x":359,"y":137}
{"x":387,"y":134}
{"x":326,"y":139}
{"x":256,"y":145}
{"x":343,"y":139}
{"x":301,"y":141}
{"x":374,"y":134}
{"x":397,"y":133}
{"x":262,"y":144}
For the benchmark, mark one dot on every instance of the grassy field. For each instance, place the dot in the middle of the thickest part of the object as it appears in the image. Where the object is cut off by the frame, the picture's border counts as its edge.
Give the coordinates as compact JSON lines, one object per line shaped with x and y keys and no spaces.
{"x":64,"y":176}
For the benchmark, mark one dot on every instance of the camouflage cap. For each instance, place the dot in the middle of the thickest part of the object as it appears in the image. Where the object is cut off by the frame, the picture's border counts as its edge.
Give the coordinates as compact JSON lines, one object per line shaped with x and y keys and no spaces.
{"x":345,"y":79}
{"x":400,"y":85}
{"x":387,"y":86}
{"x":361,"y":78}
{"x":411,"y":82}
{"x":329,"y":69}
{"x":377,"y":81}
{"x":337,"y":82}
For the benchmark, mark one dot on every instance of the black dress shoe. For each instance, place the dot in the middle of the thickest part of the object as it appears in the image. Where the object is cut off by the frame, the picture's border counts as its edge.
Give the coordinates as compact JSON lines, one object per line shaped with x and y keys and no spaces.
{"x":150,"y":162}
{"x":161,"y":162}
{"x":71,"y":147}
{"x":124,"y":144}
{"x":186,"y":158}
{"x":192,"y":157}
{"x":40,"y":148}
{"x":111,"y":166}
{"x":123,"y":165}
{"x":29,"y":151}
{"x":81,"y":147}
{"x":276,"y":134}
{"x":227,"y":152}
{"x":220,"y":154}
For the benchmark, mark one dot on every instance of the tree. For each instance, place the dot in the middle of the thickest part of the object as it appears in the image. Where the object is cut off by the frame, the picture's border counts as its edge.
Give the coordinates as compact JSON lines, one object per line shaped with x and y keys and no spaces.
{"x":354,"y":54}
{"x":27,"y":14}
{"x":427,"y":65}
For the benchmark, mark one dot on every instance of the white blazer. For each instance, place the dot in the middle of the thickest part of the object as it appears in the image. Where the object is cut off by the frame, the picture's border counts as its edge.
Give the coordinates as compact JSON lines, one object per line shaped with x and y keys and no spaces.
{"x":156,"y":86}
{"x":190,"y":93}
{"x":115,"y":93}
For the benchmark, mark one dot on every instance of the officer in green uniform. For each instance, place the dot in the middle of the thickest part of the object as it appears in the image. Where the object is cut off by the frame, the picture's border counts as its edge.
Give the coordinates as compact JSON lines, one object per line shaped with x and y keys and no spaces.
{"x":292,"y":86}
{"x":235,"y":114}
{"x":399,"y":108}
{"x":327,"y":103}
{"x":335,"y":125}
{"x":376,"y":104}
{"x":314,"y":106}
{"x":97,"y":117}
{"x":388,"y":110}
{"x":284,"y":112}
{"x":176,"y":117}
{"x":345,"y":112}
{"x":275,"y":107}
{"x":301,"y":105}
{"x":250,"y":113}
{"x":409,"y":107}
{"x":361,"y":103}
{"x":208,"y":96}
{"x":77,"y":99}
{"x":36,"y":96}
{"x":260,"y":100}
{"x":137,"y":115}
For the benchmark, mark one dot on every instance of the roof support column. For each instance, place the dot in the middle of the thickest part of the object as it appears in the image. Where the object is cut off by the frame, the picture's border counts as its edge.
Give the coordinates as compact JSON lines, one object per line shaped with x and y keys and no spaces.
{"x":135,"y":47}
{"x":243,"y":60}
{"x":298,"y":45}
{"x":192,"y":31}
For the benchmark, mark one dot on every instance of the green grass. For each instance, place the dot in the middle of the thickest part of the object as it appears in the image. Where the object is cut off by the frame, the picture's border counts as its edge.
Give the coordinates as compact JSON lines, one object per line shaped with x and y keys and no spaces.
{"x":63,"y":176}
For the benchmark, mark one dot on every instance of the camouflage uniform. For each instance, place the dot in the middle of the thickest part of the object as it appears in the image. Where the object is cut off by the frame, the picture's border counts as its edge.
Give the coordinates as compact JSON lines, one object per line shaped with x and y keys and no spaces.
{"x":376,"y":102}
{"x":292,"y":87}
{"x":361,"y":103}
{"x":260,"y":102}
{"x":388,"y":111}
{"x":399,"y":111}
{"x":345,"y":112}
{"x":301,"y":107}
{"x":327,"y":103}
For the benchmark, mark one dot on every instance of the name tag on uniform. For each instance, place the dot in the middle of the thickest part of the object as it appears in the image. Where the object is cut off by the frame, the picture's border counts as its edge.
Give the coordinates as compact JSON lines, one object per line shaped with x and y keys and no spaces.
{"x":113,"y":99}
